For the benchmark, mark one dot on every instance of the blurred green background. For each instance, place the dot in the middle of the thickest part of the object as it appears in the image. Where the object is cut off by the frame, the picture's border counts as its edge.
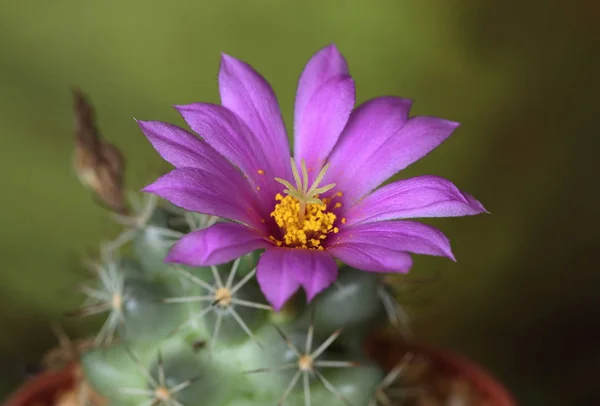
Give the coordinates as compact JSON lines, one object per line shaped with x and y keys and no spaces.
{"x":522,"y":77}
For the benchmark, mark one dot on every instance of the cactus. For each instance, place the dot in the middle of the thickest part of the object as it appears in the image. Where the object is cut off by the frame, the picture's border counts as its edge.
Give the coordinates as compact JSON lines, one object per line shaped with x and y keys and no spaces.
{"x":177,"y":334}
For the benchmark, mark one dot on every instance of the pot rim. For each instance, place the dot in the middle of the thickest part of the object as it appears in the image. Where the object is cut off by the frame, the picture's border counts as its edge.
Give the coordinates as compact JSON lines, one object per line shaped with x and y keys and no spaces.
{"x":42,"y":387}
{"x":392,"y":347}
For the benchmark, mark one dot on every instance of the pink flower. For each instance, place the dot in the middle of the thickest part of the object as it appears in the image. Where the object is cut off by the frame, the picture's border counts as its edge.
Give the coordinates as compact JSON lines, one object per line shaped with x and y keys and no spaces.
{"x":321,"y":204}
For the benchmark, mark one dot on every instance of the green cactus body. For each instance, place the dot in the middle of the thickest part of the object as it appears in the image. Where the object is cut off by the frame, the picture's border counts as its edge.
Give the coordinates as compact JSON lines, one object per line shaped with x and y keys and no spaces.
{"x":204,"y":336}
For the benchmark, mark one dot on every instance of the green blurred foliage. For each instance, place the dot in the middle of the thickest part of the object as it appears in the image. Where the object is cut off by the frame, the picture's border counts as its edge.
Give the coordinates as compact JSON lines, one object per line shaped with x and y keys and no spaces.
{"x":522,"y":77}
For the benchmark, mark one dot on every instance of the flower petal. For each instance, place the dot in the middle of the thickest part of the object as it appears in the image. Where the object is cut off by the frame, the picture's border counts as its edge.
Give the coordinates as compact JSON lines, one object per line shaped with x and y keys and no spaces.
{"x":281,"y":270}
{"x":250,"y":97}
{"x":183,"y":149}
{"x":324,"y":100}
{"x":314,"y":269}
{"x":379,"y":141}
{"x":423,"y":196}
{"x":275,"y":280}
{"x":324,"y":65}
{"x":372,"y":258}
{"x":218,"y":244}
{"x":200,"y":191}
{"x":228,"y":134}
{"x":377,"y":246}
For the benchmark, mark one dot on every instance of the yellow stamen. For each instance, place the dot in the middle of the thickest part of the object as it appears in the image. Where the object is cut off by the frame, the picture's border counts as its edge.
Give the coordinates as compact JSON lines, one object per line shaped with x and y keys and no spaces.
{"x":302,"y":216}
{"x":260,"y":172}
{"x":275,"y":240}
{"x":316,"y":224}
{"x":302,"y":192}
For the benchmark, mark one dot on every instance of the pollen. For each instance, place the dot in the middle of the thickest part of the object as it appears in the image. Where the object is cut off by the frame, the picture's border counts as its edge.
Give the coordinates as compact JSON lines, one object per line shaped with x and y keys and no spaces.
{"x":260,"y":172}
{"x":275,"y":241}
{"x":318,"y":222}
{"x":303,"y":218}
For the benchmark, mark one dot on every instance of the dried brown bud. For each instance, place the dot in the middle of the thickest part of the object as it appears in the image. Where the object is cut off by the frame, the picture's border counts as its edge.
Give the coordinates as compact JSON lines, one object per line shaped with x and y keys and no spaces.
{"x":67,"y":352}
{"x":98,"y":164}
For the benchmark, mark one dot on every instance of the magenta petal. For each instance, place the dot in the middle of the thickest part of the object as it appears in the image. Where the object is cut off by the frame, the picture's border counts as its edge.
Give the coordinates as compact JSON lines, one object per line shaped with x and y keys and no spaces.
{"x":282,"y":270}
{"x":324,"y":101}
{"x":322,"y":66}
{"x":216,"y":245}
{"x":228,"y":134}
{"x":378,"y":142}
{"x":200,"y":191}
{"x":369,"y":128}
{"x":372,"y":258}
{"x":324,"y":118}
{"x":315,"y":270}
{"x":276,"y":281}
{"x":382,"y":242}
{"x":423,"y":196}
{"x":183,"y":149}
{"x":250,"y":97}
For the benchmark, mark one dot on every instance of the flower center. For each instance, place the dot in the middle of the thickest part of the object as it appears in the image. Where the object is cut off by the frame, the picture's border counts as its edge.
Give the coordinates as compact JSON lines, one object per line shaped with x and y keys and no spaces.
{"x":301,"y":215}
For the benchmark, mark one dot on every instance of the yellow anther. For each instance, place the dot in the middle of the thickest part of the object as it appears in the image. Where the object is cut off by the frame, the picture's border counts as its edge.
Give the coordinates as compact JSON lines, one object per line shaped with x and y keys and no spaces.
{"x":343,"y":220}
{"x":303,"y":194}
{"x":301,"y":215}
{"x":339,"y":194}
{"x":260,"y":172}
{"x":275,"y":240}
{"x":318,"y":222}
{"x":337,"y":205}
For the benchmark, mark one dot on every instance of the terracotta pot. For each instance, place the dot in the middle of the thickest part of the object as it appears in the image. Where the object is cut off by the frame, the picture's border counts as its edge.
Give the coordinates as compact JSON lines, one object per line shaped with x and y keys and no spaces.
{"x":44,"y":389}
{"x":389,"y":350}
